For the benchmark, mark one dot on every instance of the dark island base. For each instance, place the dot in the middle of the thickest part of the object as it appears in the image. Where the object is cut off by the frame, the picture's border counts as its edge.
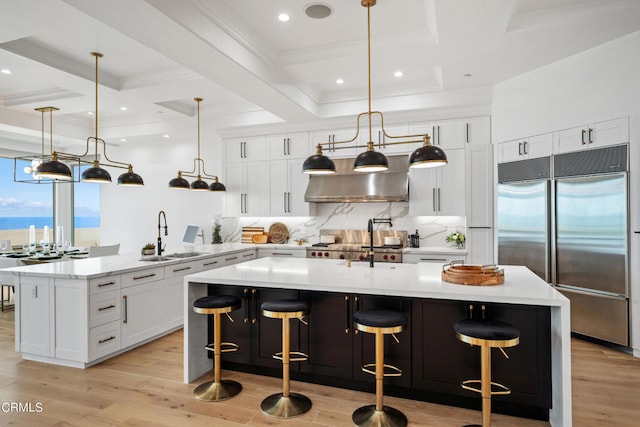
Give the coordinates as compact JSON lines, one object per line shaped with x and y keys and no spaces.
{"x":471,"y":402}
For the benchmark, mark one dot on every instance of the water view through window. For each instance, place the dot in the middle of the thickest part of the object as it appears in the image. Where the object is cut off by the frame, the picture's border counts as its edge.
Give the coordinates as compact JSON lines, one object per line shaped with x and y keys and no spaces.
{"x":23,"y":205}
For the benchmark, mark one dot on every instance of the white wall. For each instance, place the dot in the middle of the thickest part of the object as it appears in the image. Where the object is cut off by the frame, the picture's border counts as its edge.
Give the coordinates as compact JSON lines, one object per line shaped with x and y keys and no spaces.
{"x":602,"y":83}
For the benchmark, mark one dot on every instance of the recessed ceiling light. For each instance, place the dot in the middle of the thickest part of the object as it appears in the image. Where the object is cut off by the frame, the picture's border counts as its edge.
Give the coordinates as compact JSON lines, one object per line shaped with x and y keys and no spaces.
{"x":283,"y":17}
{"x":89,"y":113}
{"x":166,"y":136}
{"x":398,"y":74}
{"x":123,"y":139}
{"x":5,"y":71}
{"x":123,"y":108}
{"x":339,"y":81}
{"x":318,"y":11}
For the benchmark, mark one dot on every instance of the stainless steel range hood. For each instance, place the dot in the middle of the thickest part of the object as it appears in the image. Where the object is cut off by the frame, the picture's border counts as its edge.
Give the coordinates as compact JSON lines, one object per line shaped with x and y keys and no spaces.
{"x":346,"y":185}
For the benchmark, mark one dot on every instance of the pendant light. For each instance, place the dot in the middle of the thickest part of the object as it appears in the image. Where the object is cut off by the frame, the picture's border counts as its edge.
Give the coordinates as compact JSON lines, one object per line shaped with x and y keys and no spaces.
{"x":96,"y":174}
{"x":371,"y":160}
{"x":179,"y":183}
{"x":51,"y":169}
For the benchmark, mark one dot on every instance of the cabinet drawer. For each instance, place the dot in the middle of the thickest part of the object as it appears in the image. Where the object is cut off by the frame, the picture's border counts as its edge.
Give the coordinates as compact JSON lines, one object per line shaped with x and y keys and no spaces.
{"x":104,"y":339}
{"x":143,"y":276}
{"x":434,"y":257}
{"x":178,"y":270}
{"x":104,"y":284}
{"x":208,"y":264}
{"x":104,"y":308}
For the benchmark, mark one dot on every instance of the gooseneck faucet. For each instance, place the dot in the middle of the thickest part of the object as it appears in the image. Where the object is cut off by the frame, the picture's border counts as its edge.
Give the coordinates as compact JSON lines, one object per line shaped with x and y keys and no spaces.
{"x":166,"y":230}
{"x":370,"y":230}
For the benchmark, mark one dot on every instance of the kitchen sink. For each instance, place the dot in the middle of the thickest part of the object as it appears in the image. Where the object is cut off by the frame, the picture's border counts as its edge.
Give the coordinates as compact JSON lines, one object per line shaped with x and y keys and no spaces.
{"x":155,"y":258}
{"x":184,"y":254}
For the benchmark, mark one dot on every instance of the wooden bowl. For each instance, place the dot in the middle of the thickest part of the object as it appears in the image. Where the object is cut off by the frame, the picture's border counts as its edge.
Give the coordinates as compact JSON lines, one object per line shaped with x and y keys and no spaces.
{"x":473,"y":275}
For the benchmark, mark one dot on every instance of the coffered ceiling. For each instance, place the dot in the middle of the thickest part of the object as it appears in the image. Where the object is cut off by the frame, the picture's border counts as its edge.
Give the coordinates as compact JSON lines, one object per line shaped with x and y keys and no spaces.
{"x":254,"y":70}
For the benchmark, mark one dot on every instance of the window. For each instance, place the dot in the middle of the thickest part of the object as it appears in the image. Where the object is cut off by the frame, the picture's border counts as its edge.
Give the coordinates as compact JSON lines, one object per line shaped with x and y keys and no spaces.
{"x":22,"y":205}
{"x":86,"y":211}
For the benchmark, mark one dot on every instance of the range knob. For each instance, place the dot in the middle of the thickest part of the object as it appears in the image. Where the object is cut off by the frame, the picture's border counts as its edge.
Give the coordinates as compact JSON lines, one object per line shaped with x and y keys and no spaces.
{"x":319,"y":254}
{"x":393,"y":257}
{"x":361,"y":257}
{"x":326,"y":254}
{"x":341,"y":256}
{"x":384,"y":257}
{"x":313,"y":254}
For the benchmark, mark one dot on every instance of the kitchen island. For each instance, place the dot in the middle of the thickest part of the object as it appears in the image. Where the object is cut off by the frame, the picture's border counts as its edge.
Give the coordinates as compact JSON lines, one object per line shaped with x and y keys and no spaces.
{"x":415,"y":283}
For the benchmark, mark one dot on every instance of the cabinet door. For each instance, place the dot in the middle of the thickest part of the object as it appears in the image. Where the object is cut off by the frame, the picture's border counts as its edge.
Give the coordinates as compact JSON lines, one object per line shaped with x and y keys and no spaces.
{"x":570,"y":140}
{"x":446,"y":133}
{"x":610,"y":132}
{"x":451,"y":185}
{"x":238,"y":331}
{"x":34,"y":315}
{"x":396,"y":354}
{"x":478,"y":130}
{"x":233,"y":150}
{"x":479,"y":185}
{"x":328,"y":338}
{"x":479,"y":245}
{"x":423,"y":191}
{"x":236,"y":177}
{"x":390,"y":146}
{"x":510,"y":151}
{"x":538,"y":146}
{"x":257,"y":194}
{"x":279,"y":188}
{"x":298,"y":182}
{"x":295,"y":146}
{"x":143,"y":312}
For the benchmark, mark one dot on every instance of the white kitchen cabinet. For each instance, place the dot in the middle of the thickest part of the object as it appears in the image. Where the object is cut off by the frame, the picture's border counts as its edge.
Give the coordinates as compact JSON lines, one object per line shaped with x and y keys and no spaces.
{"x":477,"y":130}
{"x":439,"y":190}
{"x":479,"y":245}
{"x":35,"y":319}
{"x":594,"y":135}
{"x":526,"y":148}
{"x":332,"y":150}
{"x":433,"y":257}
{"x":287,"y":187}
{"x":143,"y":309}
{"x":245,"y":149}
{"x":444,"y":133}
{"x":289,"y":146}
{"x":282,"y":253}
{"x":247,"y":189}
{"x":479,"y":185}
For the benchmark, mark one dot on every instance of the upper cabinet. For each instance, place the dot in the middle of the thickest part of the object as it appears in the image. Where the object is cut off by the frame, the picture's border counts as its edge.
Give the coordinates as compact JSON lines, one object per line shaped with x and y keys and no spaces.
{"x":245,"y":149}
{"x":247,"y":189}
{"x":289,"y":146}
{"x":477,"y":130}
{"x":445,"y":133}
{"x":338,"y":150}
{"x":287,"y":187}
{"x":525,"y":148}
{"x":594,"y":135}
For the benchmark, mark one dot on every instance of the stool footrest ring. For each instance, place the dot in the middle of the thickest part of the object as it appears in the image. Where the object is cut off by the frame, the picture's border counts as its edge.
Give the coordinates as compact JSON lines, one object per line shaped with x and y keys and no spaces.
{"x":392,"y":370}
{"x":501,"y":388}
{"x":225,"y":347}
{"x":294,"y":356}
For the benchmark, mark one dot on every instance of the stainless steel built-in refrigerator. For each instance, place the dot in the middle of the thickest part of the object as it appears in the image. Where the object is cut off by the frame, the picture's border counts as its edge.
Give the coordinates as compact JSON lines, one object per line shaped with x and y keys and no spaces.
{"x":566,"y":218}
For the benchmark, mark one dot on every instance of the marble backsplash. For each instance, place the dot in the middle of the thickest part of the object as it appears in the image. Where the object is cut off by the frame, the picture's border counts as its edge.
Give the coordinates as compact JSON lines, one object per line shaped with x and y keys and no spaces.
{"x":352,"y":216}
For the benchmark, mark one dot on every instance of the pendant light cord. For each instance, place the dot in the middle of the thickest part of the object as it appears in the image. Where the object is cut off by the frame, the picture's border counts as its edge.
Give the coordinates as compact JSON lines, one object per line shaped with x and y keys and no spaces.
{"x":198,"y":100}
{"x":370,"y":142}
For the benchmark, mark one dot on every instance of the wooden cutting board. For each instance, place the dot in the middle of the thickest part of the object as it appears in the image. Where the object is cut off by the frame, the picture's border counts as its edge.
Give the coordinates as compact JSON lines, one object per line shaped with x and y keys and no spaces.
{"x":278,"y":233}
{"x":249,"y":232}
{"x":474,"y":275}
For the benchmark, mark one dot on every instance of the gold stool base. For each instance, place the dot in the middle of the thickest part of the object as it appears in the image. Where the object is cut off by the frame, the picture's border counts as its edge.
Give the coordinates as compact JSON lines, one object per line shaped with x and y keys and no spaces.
{"x":280,"y":406}
{"x":368,"y":416}
{"x":215,"y":392}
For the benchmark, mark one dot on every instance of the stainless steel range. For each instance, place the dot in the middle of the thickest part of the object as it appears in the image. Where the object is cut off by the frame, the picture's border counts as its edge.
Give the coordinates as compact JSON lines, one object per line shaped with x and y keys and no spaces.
{"x":353,"y":245}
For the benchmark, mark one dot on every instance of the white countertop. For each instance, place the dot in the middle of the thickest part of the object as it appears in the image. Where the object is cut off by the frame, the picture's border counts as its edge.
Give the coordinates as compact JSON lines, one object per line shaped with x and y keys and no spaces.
{"x":116,"y":264}
{"x":422,"y":280}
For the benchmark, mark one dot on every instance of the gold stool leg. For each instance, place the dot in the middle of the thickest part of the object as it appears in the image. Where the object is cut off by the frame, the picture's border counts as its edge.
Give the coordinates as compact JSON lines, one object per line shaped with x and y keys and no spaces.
{"x":485,"y":384}
{"x":379,"y":415}
{"x":286,"y":404}
{"x":218,"y":389}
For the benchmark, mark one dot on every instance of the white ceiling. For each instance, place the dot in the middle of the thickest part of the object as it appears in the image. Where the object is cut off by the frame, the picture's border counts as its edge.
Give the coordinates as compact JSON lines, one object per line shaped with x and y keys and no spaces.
{"x":253,"y":70}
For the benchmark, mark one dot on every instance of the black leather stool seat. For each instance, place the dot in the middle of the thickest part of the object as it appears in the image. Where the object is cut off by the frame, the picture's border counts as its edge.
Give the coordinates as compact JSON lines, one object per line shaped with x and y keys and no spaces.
{"x":285,"y":306}
{"x":217,"y":301}
{"x":380,"y":318}
{"x":490,"y":330}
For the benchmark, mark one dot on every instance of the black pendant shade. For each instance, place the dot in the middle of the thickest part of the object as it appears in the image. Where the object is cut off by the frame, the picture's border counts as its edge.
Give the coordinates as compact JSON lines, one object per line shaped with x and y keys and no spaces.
{"x":427,"y":156}
{"x":54,"y":169}
{"x":318,"y":164}
{"x":130,"y":178}
{"x":199,"y":185}
{"x":179,"y":183}
{"x":96,"y":174}
{"x":217,"y":186}
{"x":371,"y":161}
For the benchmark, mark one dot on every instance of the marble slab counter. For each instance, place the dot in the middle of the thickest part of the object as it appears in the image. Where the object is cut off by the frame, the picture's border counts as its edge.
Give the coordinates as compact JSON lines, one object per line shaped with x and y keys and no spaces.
{"x":422,"y":280}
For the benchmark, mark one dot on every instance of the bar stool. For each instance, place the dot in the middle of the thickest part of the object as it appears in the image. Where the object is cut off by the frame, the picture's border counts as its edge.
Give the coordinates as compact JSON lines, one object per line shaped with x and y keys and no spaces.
{"x":487,"y":334}
{"x":218,"y":389}
{"x":380,"y":322}
{"x":286,"y":404}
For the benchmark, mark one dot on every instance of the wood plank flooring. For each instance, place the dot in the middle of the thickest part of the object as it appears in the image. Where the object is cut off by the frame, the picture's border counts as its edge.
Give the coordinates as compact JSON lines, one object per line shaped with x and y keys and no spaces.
{"x":144,"y":388}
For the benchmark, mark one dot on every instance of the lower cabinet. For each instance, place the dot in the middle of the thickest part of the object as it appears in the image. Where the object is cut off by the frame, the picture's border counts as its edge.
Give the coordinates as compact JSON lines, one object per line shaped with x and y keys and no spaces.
{"x":433,"y":361}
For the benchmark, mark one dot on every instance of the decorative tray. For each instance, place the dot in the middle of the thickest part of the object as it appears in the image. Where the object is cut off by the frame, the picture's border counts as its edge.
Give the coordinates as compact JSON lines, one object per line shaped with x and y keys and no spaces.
{"x":474,"y":275}
{"x":278,"y":232}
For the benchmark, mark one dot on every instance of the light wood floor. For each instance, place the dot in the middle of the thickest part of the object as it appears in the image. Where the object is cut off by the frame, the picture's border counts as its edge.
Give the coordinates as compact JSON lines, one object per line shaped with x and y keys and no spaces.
{"x":144,"y":388}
